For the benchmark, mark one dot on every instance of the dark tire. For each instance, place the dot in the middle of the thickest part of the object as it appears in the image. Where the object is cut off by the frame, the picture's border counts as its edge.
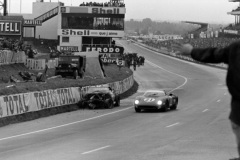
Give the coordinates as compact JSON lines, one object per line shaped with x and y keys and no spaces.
{"x":174,"y":107}
{"x":137,"y":110}
{"x":92,"y":106}
{"x":75,"y":74}
{"x":117,"y":102}
{"x":110,"y":104}
{"x":165,"y":108}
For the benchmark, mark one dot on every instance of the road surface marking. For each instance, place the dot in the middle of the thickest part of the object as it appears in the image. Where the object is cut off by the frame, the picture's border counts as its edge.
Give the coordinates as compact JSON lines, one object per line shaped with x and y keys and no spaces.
{"x":205,"y":110}
{"x":95,"y":150}
{"x":172,"y":125}
{"x":64,"y":125}
{"x":225,"y":94}
{"x":218,"y":100}
{"x":185,"y":79}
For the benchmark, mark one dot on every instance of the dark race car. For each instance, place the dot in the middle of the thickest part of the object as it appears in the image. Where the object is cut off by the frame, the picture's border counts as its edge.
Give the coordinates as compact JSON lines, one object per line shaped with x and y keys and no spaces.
{"x":156,"y":100}
{"x":100,"y":97}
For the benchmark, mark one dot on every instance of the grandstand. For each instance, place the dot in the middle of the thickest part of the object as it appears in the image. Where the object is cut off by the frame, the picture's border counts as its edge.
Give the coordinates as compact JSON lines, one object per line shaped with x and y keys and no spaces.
{"x":196,"y":33}
{"x":233,"y":29}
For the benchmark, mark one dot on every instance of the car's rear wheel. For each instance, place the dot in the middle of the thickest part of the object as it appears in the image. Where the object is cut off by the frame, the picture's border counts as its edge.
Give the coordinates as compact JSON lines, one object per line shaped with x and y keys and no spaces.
{"x":137,"y":110}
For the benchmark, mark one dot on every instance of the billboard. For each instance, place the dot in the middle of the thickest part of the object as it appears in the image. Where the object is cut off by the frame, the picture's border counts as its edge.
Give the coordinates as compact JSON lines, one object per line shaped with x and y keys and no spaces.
{"x":92,"y":33}
{"x":9,"y":27}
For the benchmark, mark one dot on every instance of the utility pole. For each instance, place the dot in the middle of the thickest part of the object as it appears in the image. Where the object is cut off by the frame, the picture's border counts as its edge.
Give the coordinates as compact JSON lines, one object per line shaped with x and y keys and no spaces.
{"x":5,"y":8}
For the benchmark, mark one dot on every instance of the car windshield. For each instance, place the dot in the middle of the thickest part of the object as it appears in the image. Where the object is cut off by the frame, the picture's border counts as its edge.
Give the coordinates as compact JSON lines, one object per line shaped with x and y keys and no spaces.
{"x":154,"y":93}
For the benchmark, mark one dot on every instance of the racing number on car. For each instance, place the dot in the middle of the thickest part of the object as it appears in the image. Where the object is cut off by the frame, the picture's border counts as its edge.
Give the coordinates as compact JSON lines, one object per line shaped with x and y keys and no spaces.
{"x":149,"y":99}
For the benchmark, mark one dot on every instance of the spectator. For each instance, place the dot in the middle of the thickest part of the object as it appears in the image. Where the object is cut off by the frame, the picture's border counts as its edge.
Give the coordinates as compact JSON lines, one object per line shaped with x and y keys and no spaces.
{"x":229,"y":55}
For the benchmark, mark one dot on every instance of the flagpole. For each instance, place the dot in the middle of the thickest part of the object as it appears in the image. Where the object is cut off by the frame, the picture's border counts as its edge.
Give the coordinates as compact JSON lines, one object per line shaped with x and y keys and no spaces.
{"x":20,"y":6}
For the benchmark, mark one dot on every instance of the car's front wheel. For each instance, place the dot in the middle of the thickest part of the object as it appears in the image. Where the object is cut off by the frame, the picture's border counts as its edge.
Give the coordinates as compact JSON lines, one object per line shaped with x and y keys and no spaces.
{"x":174,"y":106}
{"x":110,"y":105}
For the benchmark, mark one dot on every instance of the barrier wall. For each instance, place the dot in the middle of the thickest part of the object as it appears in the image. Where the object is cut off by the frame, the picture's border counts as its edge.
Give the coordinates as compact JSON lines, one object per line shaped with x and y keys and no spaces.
{"x":35,"y":101}
{"x":165,"y":51}
{"x":40,"y":64}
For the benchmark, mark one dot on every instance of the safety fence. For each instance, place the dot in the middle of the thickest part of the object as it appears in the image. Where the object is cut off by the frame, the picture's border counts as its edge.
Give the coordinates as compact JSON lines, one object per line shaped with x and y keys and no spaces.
{"x":10,"y":57}
{"x":40,"y":64}
{"x":17,"y":104}
{"x":173,"y":54}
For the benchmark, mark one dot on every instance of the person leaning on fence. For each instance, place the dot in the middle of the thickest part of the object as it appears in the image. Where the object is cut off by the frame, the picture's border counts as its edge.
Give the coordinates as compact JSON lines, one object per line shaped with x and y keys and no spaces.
{"x":229,"y":55}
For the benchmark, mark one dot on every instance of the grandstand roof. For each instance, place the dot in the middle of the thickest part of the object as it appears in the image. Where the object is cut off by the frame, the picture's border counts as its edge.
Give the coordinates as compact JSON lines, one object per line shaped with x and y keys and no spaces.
{"x":234,"y":0}
{"x":197,"y":23}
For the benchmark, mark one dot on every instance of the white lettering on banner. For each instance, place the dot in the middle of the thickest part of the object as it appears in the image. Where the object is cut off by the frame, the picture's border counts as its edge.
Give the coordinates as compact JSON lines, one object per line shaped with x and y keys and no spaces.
{"x":15,"y":104}
{"x":54,"y":98}
{"x":108,"y":60}
{"x":72,"y":32}
{"x":104,"y":49}
{"x":10,"y":27}
{"x":105,"y":11}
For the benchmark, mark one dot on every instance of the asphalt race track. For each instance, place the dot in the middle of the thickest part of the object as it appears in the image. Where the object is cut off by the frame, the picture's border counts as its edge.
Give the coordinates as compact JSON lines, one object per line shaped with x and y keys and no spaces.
{"x":198,"y":130}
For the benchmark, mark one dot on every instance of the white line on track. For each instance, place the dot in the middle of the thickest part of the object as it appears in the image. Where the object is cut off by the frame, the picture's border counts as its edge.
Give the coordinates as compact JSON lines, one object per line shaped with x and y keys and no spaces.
{"x":100,"y":116}
{"x":225,"y":94}
{"x":64,"y":125}
{"x":218,"y":100}
{"x":185,"y":79}
{"x":95,"y":150}
{"x":205,"y":110}
{"x":173,"y":125}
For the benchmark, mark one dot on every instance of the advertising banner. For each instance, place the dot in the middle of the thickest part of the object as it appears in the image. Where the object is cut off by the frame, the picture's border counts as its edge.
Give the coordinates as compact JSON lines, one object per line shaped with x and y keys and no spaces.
{"x":32,"y":22}
{"x":94,"y":10}
{"x":87,"y":33}
{"x":9,"y":27}
{"x":69,"y":48}
{"x":11,"y":105}
{"x":103,"y":49}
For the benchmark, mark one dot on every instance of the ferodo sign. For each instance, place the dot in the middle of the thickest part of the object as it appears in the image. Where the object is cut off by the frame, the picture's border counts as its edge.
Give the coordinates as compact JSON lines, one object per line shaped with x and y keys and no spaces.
{"x":10,"y":27}
{"x":104,"y":49}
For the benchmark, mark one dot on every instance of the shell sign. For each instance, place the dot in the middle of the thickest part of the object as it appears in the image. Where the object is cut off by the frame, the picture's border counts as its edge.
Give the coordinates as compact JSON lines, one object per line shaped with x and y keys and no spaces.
{"x":10,"y":27}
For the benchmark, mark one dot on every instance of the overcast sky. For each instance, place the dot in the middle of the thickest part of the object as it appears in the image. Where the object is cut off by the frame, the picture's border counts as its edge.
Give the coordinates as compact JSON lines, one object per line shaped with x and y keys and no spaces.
{"x":168,"y":10}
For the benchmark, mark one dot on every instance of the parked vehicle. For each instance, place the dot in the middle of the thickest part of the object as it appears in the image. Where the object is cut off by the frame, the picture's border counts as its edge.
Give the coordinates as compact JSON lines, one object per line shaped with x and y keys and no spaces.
{"x":71,"y":65}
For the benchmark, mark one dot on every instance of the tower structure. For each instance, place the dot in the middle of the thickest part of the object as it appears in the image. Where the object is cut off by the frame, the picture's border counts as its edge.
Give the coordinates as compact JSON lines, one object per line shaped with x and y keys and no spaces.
{"x":236,"y":12}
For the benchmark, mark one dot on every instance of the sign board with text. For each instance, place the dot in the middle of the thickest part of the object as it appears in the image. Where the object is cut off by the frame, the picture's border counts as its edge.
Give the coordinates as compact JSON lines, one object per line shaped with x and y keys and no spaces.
{"x":32,"y":22}
{"x":88,"y":33}
{"x":10,"y":27}
{"x":69,"y":48}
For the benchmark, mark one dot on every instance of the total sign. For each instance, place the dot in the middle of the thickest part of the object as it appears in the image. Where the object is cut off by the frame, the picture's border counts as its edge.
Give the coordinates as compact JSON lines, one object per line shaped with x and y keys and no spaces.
{"x":10,"y":27}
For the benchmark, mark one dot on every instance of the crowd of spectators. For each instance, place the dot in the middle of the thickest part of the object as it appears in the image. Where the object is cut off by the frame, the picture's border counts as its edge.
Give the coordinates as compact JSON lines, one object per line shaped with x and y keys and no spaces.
{"x":106,"y":4}
{"x":11,"y":44}
{"x":132,"y":59}
{"x":196,"y":43}
{"x":109,"y":26}
{"x":16,"y":45}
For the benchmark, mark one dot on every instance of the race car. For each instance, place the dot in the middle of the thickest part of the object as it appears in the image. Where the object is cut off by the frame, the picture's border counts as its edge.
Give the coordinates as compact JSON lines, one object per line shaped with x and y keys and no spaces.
{"x":156,"y":100}
{"x":100,"y":97}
